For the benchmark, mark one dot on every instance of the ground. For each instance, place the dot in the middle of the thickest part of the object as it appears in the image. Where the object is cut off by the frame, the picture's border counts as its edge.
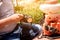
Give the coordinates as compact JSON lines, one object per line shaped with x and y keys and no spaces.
{"x":45,"y":39}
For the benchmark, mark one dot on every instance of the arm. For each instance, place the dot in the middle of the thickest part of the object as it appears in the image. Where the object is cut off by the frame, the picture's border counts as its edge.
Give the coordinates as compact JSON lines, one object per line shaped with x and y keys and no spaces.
{"x":12,"y":19}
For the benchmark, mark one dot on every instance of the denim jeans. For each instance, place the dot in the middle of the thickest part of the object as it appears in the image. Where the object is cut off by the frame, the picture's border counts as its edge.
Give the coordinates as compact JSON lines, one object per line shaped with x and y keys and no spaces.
{"x":33,"y":32}
{"x":16,"y":34}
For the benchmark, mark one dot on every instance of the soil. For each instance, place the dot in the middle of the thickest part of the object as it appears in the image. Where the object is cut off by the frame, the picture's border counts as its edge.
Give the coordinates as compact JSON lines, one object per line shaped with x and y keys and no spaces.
{"x":46,"y":39}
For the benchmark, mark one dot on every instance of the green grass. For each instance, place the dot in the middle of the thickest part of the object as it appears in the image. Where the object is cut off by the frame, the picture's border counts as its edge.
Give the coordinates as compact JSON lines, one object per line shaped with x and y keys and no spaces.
{"x":36,"y":14}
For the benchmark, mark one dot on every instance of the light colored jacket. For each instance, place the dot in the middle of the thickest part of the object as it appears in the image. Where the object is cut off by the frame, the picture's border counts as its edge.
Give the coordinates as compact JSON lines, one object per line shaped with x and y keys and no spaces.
{"x":6,"y":10}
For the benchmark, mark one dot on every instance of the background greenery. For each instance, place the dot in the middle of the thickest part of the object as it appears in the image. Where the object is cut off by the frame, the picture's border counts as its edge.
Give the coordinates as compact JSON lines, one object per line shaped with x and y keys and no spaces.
{"x":31,"y":9}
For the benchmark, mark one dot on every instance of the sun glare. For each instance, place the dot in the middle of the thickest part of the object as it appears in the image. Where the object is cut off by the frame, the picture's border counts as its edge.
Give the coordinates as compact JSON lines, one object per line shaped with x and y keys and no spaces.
{"x":23,"y":2}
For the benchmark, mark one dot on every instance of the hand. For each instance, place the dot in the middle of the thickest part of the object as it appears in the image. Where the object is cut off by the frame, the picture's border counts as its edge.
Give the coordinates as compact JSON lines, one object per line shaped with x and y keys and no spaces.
{"x":21,"y":16}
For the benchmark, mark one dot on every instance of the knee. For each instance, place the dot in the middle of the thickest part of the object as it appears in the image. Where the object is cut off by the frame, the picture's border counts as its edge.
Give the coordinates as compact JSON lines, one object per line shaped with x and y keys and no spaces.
{"x":37,"y":27}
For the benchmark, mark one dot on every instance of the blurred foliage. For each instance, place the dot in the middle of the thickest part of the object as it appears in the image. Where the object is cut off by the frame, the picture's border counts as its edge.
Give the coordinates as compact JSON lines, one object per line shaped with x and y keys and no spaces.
{"x":31,"y":9}
{"x":35,"y":13}
{"x":59,"y":0}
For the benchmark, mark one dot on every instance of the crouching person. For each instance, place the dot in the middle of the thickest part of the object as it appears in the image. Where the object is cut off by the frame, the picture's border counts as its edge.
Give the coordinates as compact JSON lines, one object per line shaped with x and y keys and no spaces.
{"x":8,"y":21}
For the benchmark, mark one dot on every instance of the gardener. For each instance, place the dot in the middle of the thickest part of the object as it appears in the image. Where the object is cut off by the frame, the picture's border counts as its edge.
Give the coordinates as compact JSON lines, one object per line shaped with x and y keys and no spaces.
{"x":8,"y":21}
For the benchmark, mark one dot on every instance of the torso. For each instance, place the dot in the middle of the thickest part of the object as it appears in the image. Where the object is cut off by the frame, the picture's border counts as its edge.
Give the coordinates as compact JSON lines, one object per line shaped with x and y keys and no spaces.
{"x":6,"y":10}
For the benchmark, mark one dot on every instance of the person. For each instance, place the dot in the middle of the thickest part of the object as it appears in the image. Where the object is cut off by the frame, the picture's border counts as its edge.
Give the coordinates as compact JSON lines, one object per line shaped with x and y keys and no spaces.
{"x":8,"y":21}
{"x":52,"y":7}
{"x":49,"y":7}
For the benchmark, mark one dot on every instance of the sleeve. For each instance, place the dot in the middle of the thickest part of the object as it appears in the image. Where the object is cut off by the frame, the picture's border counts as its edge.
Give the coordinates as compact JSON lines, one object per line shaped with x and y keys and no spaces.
{"x":50,"y":8}
{"x":6,"y":9}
